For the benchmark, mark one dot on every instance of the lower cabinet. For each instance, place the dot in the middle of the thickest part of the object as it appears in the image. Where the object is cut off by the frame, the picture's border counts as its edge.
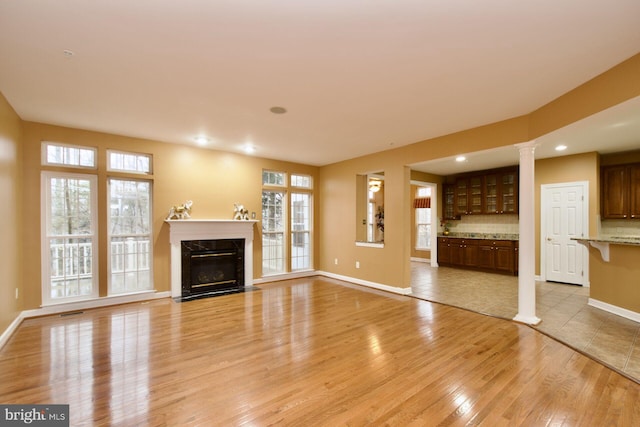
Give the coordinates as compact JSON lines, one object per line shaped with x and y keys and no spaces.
{"x":489,"y":255}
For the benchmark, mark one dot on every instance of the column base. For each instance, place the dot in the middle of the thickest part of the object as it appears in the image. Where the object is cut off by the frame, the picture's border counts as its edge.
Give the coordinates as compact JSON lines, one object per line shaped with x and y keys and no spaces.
{"x":529,"y":320}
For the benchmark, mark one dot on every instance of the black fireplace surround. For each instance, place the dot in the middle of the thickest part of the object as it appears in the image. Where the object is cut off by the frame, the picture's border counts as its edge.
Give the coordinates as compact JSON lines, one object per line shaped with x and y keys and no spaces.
{"x":212,"y":267}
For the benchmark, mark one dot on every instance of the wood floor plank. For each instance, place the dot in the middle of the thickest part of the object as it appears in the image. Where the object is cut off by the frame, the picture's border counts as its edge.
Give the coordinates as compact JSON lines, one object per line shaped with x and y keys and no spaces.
{"x":307,"y":352}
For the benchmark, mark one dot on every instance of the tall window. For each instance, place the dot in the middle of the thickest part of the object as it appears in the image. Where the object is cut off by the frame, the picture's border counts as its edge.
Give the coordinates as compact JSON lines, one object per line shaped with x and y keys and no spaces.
{"x":422,"y":205}
{"x":301,"y":223}
{"x":129,"y":236}
{"x":69,"y":249}
{"x":286,"y":233}
{"x":70,"y":216}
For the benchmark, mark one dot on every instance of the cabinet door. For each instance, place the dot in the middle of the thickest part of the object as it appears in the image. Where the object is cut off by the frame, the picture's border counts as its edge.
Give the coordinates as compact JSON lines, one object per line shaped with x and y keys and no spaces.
{"x":475,"y":199}
{"x":491,"y":194}
{"x":486,"y":258}
{"x":456,"y":251}
{"x":444,"y":251}
{"x":462,"y":197}
{"x":448,"y":210}
{"x":634,"y":191}
{"x":509,"y":192}
{"x":470,"y":253}
{"x":504,"y":254}
{"x":615,"y":204}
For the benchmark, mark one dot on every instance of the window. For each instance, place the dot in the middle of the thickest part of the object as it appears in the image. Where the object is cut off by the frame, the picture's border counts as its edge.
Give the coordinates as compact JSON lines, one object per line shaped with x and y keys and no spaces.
{"x":301,"y":181}
{"x":422,"y":205}
{"x":286,"y":233}
{"x":56,"y":154}
{"x":129,"y":162}
{"x":69,"y":225}
{"x":130,"y":238}
{"x":273,"y":232}
{"x":300,"y":231}
{"x":69,"y":249}
{"x":274,"y":178}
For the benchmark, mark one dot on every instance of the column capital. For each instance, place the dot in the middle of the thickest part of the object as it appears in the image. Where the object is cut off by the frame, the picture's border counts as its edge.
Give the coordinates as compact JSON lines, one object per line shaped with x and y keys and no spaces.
{"x":529,"y":144}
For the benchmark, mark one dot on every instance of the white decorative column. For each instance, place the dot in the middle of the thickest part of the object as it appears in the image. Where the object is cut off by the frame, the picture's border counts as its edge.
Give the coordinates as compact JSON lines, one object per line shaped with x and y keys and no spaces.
{"x":527,"y":243}
{"x":208,"y":229}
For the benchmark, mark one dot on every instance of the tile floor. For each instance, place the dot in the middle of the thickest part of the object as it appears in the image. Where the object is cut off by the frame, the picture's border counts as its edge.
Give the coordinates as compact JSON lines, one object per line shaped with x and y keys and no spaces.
{"x":610,"y":339}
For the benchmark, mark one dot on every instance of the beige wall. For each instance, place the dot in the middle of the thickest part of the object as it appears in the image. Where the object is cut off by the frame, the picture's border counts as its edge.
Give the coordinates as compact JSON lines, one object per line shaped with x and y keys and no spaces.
{"x":11,"y":224}
{"x":390,"y":265}
{"x":616,"y":282}
{"x":214,"y":180}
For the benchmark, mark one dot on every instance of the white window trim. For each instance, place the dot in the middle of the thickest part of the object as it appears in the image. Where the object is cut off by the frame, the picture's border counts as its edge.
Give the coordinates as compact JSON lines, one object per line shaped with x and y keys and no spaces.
{"x":131,"y":153}
{"x":45,"y":203}
{"x":45,"y":161}
{"x":109,"y":235}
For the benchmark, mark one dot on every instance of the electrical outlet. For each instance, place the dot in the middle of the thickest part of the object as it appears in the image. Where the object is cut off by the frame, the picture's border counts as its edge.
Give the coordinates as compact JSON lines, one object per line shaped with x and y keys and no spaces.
{"x":17,"y":293}
{"x":357,"y":264}
{"x":335,"y":261}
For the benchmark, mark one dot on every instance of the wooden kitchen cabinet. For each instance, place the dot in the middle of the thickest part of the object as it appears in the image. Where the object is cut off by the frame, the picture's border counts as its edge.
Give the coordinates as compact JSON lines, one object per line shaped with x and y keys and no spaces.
{"x":501,"y":192}
{"x":498,"y":256}
{"x":448,"y":208}
{"x":620,"y":192}
{"x":469,"y":196}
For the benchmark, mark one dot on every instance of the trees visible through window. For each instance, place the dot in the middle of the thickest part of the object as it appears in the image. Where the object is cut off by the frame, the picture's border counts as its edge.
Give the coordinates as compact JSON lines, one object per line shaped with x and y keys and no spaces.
{"x":287,"y":224}
{"x":69,"y":263}
{"x":130,"y":236}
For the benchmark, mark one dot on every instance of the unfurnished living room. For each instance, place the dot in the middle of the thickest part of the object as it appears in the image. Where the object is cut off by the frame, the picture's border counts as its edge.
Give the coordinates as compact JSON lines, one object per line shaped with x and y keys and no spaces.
{"x":320,"y":213}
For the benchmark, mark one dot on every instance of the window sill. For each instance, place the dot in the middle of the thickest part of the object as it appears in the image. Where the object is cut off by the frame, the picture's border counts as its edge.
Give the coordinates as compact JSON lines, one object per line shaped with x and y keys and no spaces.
{"x":370,"y":244}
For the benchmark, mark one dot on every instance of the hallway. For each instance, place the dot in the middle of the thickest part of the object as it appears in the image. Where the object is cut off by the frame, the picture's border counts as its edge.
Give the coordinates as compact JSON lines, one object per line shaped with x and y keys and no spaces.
{"x":610,"y":339}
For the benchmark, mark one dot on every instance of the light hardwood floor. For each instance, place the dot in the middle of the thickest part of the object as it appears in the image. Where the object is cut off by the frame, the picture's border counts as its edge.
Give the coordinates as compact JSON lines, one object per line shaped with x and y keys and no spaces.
{"x":307,"y":352}
{"x":564,"y":311}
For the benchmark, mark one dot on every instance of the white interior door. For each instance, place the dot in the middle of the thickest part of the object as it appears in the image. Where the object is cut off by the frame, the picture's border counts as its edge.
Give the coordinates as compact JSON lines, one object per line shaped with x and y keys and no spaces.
{"x":565,"y":215}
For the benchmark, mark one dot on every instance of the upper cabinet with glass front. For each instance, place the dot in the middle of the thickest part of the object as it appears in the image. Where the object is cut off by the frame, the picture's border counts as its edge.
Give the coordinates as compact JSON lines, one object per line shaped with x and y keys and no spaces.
{"x":488,"y":192}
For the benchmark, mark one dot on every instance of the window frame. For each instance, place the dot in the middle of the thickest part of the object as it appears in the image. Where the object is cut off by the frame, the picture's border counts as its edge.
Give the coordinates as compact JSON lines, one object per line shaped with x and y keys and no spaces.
{"x":45,"y":237}
{"x":45,"y":157}
{"x":111,"y":168}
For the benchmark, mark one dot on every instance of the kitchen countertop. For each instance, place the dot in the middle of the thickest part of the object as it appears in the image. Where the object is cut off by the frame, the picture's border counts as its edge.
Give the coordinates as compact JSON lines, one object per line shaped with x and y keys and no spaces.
{"x":620,"y":240}
{"x":485,"y":236}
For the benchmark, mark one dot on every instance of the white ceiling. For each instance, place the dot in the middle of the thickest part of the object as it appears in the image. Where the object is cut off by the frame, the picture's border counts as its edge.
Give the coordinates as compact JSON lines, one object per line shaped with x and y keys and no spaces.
{"x":356,"y":76}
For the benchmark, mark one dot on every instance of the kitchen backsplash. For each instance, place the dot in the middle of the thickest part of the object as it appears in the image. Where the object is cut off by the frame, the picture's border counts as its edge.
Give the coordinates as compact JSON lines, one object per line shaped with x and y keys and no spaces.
{"x":622,"y":227}
{"x":486,"y":224}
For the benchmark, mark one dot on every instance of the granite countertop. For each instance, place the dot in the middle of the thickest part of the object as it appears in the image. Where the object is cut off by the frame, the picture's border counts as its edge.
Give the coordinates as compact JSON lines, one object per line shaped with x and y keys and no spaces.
{"x":485,"y":236}
{"x":621,"y":240}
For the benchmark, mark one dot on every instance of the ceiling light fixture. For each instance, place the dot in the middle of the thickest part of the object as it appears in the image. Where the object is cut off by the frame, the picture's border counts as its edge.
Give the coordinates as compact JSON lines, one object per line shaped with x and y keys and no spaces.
{"x":460,"y":159}
{"x":375,"y":185}
{"x":561,"y":147}
{"x":249,"y":149}
{"x":68,"y":53}
{"x":201,"y":140}
{"x":278,"y":110}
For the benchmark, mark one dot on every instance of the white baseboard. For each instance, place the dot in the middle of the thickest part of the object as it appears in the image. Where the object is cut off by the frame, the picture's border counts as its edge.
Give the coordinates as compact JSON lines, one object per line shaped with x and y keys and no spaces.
{"x":619,"y":311}
{"x":380,"y":286}
{"x":416,"y":259}
{"x":10,"y":330}
{"x":285,"y":276}
{"x":78,"y":305}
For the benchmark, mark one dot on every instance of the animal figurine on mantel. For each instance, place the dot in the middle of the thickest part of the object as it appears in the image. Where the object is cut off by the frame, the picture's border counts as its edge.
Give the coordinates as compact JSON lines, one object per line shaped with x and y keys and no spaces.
{"x":239,"y":212}
{"x":180,"y":211}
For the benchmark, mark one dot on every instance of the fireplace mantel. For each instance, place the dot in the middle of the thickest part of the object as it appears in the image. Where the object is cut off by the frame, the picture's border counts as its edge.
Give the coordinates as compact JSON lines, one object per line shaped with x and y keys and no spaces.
{"x":208,"y":229}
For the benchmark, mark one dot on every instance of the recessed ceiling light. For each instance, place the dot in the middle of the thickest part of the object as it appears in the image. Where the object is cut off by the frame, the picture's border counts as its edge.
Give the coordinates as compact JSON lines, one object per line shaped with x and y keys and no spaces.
{"x":201,"y":140}
{"x":561,"y":147}
{"x":278,"y":110}
{"x":461,"y":159}
{"x":249,"y":149}
{"x":68,"y":53}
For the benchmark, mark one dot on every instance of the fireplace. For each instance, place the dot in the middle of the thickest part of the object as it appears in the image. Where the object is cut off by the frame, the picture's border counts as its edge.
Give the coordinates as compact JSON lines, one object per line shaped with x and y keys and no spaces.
{"x":214,"y":256}
{"x":212,"y":267}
